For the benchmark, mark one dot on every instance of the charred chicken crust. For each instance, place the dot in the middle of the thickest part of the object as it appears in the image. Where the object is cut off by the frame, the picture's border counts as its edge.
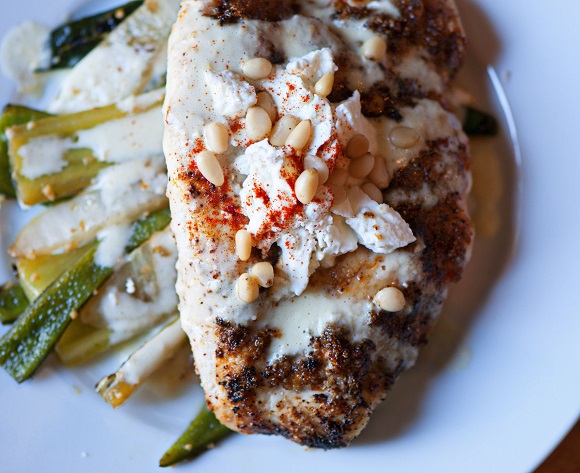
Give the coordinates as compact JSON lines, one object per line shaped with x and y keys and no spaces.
{"x":351,"y":377}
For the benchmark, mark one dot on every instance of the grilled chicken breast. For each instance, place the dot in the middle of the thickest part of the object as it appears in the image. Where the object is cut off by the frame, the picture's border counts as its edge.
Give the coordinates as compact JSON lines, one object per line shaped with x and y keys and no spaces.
{"x":312,"y":352}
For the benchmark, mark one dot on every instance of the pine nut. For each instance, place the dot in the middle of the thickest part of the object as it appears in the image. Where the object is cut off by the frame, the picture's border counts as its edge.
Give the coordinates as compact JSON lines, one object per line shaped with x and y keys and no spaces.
{"x":264,"y":274}
{"x":324,"y":85}
{"x":357,"y":146}
{"x":247,"y":288}
{"x":217,"y":137}
{"x":244,"y":244}
{"x":257,"y":68}
{"x":266,"y":102}
{"x":361,"y":167}
{"x":374,"y":48}
{"x":403,"y":137}
{"x":282,"y":130}
{"x":300,"y":136}
{"x":338,"y":177}
{"x":379,"y":174}
{"x":210,"y":168}
{"x":258,"y":123}
{"x":317,"y":163}
{"x":390,"y":299}
{"x":373,"y":192}
{"x":306,"y":186}
{"x":339,"y":194}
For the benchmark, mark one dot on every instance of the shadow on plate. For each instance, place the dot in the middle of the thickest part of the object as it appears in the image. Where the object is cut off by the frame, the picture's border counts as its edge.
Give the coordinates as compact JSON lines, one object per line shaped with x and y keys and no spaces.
{"x":495,"y":196}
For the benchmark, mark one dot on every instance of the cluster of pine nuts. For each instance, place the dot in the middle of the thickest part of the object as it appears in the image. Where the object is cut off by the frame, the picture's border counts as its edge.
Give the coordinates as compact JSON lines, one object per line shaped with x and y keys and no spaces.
{"x":262,"y":121}
{"x":217,"y":139}
{"x":362,"y":165}
{"x":261,"y":275}
{"x":248,"y":285}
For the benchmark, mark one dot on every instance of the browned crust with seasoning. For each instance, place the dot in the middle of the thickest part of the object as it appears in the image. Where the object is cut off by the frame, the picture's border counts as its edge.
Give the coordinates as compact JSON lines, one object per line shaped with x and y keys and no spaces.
{"x":354,"y":377}
{"x":232,"y":11}
{"x":347,"y":375}
{"x":430,"y":25}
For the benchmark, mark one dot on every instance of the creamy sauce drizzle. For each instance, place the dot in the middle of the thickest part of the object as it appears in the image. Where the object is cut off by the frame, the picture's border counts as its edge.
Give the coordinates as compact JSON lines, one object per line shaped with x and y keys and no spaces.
{"x":129,"y":312}
{"x":153,"y":354}
{"x":23,"y":50}
{"x":130,"y":138}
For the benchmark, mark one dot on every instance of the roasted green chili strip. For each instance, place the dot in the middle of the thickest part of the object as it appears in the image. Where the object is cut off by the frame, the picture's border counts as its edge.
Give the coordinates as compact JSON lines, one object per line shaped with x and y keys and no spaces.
{"x":36,"y":274}
{"x":203,"y":432}
{"x":147,"y":226}
{"x":13,"y":302}
{"x":31,"y":338}
{"x":81,"y":164}
{"x":12,"y":115}
{"x":37,"y":330}
{"x":73,"y":41}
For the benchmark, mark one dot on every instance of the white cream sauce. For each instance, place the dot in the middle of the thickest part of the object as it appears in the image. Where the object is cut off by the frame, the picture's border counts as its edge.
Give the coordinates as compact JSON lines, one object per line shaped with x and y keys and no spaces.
{"x":142,"y":102}
{"x":23,"y":50}
{"x":129,"y":138}
{"x":301,"y":318}
{"x":112,"y":243}
{"x":129,"y":313}
{"x":43,"y":156}
{"x":152,"y":355}
{"x":120,"y":194}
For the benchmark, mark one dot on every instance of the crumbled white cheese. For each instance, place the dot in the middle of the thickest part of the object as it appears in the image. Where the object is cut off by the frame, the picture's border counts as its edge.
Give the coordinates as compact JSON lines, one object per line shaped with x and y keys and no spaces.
{"x":231,"y":95}
{"x":292,"y":96}
{"x":378,"y":227}
{"x":337,"y":240}
{"x":351,"y":121}
{"x":315,"y":241}
{"x":130,"y":286}
{"x":262,"y":163}
{"x":313,"y":66}
{"x":295,"y":264}
{"x":313,"y":236}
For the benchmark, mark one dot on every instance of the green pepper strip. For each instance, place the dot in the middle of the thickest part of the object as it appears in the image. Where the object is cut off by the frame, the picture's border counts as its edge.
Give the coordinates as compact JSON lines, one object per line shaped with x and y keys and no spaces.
{"x":73,"y":41}
{"x":13,"y":302}
{"x":24,"y":347}
{"x":12,"y":115}
{"x":203,"y":432}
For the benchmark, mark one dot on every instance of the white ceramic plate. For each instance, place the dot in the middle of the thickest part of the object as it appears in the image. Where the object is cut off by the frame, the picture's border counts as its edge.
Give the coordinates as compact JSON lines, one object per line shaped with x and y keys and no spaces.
{"x":497,"y":388}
